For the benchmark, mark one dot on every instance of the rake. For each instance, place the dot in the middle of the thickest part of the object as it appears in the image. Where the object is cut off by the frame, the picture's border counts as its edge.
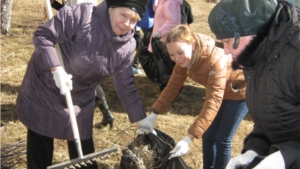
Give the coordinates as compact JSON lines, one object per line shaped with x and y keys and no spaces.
{"x":81,"y":160}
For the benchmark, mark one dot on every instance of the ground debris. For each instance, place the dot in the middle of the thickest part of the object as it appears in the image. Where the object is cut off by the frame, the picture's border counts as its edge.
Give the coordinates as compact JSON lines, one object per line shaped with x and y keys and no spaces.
{"x":13,"y":154}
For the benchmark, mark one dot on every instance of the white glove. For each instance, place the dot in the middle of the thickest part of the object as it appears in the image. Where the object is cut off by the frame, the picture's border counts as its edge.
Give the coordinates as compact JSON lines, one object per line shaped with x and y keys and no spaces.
{"x":242,"y":159}
{"x":152,"y":117}
{"x":145,"y":126}
{"x":62,"y":80}
{"x":156,"y":35}
{"x":181,"y":148}
{"x":274,"y":160}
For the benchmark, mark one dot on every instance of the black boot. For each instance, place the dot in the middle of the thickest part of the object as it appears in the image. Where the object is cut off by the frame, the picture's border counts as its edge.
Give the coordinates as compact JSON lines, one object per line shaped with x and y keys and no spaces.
{"x":107,"y":116}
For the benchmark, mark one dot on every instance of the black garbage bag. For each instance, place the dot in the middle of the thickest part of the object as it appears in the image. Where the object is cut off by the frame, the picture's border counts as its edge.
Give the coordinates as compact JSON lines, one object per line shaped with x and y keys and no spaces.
{"x":160,"y":146}
{"x":146,"y":59}
{"x":163,"y":61}
{"x":136,"y":155}
{"x":173,"y":163}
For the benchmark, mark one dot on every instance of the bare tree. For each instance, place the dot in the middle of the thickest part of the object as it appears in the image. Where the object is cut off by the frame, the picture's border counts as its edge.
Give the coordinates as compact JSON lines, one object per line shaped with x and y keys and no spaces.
{"x":6,"y":11}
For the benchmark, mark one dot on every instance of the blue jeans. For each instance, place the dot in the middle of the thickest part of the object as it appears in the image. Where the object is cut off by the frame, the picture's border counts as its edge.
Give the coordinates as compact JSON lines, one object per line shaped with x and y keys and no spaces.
{"x":218,"y":137}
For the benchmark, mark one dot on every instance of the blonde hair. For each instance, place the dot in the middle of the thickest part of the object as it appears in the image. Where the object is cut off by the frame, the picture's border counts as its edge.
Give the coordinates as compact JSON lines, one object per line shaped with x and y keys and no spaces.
{"x":183,"y":33}
{"x":137,"y":16}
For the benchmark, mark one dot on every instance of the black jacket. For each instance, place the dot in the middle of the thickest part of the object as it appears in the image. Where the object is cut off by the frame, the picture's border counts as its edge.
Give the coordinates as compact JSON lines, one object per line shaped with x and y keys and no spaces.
{"x":272,"y":70}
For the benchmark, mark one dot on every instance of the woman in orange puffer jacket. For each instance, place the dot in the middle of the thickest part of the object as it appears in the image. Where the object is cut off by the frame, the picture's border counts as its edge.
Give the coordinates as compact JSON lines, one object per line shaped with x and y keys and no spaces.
{"x":198,"y":58}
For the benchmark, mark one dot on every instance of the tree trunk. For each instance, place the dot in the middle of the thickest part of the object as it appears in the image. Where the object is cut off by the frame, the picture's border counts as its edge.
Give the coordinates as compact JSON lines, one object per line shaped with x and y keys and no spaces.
{"x":6,"y":11}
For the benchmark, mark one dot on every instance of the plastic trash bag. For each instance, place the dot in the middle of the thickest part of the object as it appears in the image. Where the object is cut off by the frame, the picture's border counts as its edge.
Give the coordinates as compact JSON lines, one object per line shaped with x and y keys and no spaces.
{"x":162,"y":56}
{"x":163,"y":61}
{"x":173,"y":163}
{"x":146,"y":59}
{"x":160,"y":145}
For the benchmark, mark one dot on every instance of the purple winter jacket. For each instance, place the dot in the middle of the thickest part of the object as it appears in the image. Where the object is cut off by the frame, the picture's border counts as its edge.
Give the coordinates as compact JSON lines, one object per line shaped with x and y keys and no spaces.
{"x":91,"y":52}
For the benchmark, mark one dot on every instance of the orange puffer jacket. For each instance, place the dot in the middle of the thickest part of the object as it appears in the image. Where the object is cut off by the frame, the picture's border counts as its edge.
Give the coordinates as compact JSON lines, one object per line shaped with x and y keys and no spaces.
{"x":213,"y":71}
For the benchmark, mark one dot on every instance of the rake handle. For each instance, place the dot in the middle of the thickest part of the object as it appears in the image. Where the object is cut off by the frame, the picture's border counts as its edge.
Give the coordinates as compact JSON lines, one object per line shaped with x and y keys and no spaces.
{"x":74,"y":123}
{"x":68,"y":95}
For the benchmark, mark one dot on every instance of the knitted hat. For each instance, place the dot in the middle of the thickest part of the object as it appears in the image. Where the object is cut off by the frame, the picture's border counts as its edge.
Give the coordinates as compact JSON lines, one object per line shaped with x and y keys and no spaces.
{"x":138,"y":6}
{"x":235,"y":18}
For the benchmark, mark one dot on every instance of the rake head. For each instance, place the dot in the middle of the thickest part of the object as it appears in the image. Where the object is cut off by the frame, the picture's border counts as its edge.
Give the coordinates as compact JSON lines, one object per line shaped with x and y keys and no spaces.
{"x":84,"y":161}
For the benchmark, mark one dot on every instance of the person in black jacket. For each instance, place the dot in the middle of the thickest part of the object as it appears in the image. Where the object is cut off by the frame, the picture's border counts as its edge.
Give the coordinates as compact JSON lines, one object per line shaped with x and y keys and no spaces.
{"x":263,"y":38}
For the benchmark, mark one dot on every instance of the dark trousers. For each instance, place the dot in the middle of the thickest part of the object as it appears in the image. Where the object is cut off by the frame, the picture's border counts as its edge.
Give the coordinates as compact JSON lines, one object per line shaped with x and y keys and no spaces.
{"x":40,"y":150}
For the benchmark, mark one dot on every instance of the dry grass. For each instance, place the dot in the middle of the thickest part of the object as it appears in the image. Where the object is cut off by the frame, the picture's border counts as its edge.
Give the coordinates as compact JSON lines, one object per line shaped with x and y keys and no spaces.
{"x":16,"y":49}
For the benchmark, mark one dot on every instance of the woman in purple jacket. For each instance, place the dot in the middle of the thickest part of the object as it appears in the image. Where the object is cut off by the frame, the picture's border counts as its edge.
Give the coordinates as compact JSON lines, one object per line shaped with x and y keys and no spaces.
{"x":95,"y":42}
{"x":108,"y":118}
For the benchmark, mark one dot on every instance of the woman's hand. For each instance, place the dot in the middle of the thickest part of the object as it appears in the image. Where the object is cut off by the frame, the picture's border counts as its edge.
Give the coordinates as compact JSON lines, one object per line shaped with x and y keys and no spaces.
{"x":145,"y":126}
{"x":62,"y":80}
{"x":152,"y":117}
{"x":156,"y":35}
{"x":182,"y":147}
